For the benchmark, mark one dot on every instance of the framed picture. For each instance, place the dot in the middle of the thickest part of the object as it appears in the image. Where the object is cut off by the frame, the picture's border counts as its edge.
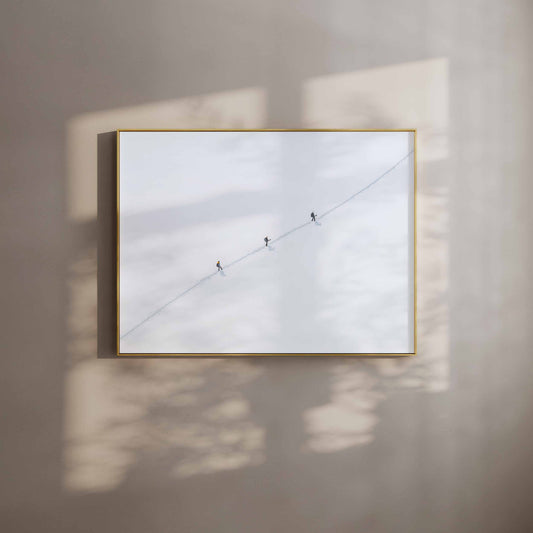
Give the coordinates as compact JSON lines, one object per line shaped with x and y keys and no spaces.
{"x":266,"y":242}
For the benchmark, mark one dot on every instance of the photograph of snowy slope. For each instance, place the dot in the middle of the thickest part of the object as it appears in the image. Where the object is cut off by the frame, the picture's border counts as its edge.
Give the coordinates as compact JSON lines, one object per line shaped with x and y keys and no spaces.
{"x":266,"y":242}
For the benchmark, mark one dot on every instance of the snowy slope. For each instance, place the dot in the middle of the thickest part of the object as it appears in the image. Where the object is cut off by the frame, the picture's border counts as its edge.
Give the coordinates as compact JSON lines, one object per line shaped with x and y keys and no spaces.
{"x":343,"y":285}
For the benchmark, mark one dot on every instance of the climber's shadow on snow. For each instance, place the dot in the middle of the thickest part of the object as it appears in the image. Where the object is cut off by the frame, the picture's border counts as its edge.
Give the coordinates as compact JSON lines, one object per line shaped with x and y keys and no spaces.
{"x":222,"y":273}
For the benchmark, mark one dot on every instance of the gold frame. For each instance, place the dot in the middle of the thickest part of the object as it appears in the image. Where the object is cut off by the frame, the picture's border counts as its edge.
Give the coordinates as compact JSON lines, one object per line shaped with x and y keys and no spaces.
{"x":220,"y":355}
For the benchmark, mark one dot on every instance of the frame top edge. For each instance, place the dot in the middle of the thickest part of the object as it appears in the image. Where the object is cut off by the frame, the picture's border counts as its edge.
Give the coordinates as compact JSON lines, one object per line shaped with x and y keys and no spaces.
{"x":406,"y":130}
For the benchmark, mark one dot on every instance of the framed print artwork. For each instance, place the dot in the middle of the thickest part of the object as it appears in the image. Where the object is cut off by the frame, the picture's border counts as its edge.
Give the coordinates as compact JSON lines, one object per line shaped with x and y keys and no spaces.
{"x":266,"y":242}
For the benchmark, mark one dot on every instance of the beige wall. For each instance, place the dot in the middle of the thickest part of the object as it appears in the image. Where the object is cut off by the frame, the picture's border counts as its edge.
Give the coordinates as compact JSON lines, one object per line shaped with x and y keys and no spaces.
{"x":440,"y":442}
